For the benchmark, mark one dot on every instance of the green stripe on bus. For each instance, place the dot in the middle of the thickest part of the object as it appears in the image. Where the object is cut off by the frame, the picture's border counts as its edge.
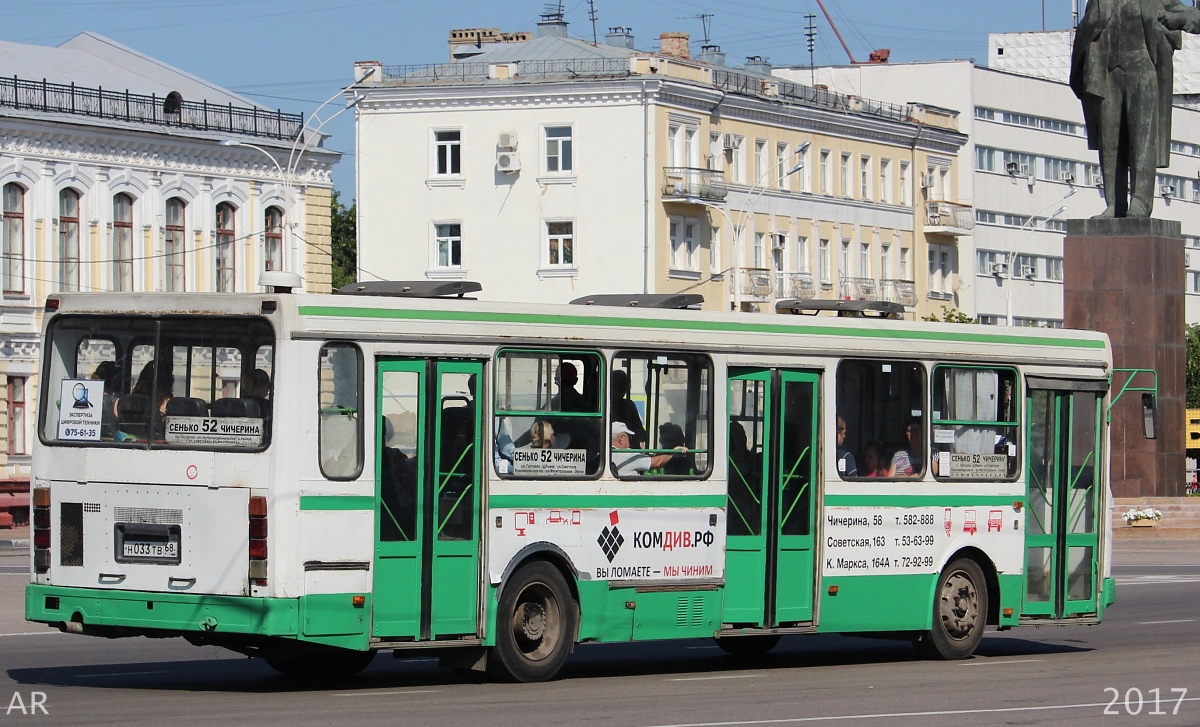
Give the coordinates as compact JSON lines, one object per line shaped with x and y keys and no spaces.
{"x":747,"y":326}
{"x":921,"y":500}
{"x":568,"y":502}
{"x":337,"y":502}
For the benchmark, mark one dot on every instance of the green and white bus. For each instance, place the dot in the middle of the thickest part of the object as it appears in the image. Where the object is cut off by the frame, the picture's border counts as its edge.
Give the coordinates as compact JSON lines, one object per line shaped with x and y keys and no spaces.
{"x":313,"y":479}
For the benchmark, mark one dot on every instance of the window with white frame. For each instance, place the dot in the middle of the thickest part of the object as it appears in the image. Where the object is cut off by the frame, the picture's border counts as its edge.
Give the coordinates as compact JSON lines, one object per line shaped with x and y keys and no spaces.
{"x":68,"y":240}
{"x":1018,"y":164}
{"x":173,"y":244}
{"x":985,"y":159}
{"x":1058,"y":170}
{"x":864,"y":260}
{"x":684,"y":243}
{"x":714,"y":250}
{"x":905,"y":184}
{"x":905,"y":268}
{"x":736,"y":161}
{"x":885,"y":261}
{"x":986,"y":262}
{"x":1054,"y":268}
{"x":885,"y":181}
{"x":844,"y":171}
{"x":447,"y":152}
{"x":864,"y":177}
{"x":1026,"y":266}
{"x":559,"y":152}
{"x":758,"y":253}
{"x":273,"y":239}
{"x":781,"y":167}
{"x":760,"y":161}
{"x":691,"y":151}
{"x":447,"y":245}
{"x":560,"y":244}
{"x":1193,"y":281}
{"x":674,"y":149}
{"x":825,"y":263}
{"x":805,"y":171}
{"x":122,"y":232}
{"x":16,"y":415}
{"x":826,"y":184}
{"x":941,"y":282}
{"x":716,"y":155}
{"x":224,"y":247}
{"x":844,"y":260}
{"x":14,"y":238}
{"x":800,"y":261}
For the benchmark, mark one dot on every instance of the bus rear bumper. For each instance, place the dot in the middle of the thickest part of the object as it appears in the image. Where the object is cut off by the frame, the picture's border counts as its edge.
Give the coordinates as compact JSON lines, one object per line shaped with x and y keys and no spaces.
{"x":134,"y":613}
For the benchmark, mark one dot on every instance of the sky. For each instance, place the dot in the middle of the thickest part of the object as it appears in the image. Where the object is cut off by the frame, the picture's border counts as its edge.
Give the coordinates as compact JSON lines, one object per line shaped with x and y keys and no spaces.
{"x":295,"y":54}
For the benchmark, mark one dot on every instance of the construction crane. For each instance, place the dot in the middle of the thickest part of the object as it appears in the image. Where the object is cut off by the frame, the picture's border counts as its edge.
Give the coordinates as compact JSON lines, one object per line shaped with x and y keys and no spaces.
{"x":879,"y":55}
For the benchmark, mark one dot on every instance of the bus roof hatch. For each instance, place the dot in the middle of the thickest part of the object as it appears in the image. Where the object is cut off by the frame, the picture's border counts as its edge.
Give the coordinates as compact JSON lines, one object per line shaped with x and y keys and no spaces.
{"x":850,"y":308}
{"x":643,"y":300}
{"x":413,"y":288}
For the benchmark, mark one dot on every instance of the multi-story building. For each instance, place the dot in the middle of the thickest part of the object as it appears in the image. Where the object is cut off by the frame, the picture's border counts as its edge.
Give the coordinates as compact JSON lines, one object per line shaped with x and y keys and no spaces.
{"x":1027,"y":169}
{"x":550,"y":169}
{"x":119,"y":172}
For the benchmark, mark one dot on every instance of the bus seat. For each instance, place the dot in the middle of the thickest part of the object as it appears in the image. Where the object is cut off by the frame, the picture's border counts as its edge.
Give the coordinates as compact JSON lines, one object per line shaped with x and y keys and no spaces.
{"x":133,"y":414}
{"x":187,"y":406}
{"x":235,"y":407}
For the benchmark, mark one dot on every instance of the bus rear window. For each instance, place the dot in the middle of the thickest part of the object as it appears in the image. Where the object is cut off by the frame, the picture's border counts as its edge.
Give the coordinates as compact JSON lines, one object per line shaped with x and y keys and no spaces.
{"x":165,"y":382}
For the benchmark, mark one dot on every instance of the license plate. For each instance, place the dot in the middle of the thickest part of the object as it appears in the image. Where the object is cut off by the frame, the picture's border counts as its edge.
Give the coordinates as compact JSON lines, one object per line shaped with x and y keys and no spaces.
{"x":141,"y":549}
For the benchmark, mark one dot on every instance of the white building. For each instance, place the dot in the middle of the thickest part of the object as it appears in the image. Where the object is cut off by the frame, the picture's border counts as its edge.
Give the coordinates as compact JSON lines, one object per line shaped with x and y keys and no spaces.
{"x":160,"y":181}
{"x":1028,"y":149}
{"x":552,"y":168}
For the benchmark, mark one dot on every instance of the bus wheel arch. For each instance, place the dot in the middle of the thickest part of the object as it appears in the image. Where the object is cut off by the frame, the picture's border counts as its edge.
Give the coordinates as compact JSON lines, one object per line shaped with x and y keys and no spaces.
{"x":961,"y":606}
{"x":555,"y":556}
{"x":537,"y":621}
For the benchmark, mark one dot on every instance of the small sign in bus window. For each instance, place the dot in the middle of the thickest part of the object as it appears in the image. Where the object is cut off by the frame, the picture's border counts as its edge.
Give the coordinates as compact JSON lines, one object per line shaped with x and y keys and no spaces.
{"x":80,"y":409}
{"x":215,"y":432}
{"x":549,"y":462}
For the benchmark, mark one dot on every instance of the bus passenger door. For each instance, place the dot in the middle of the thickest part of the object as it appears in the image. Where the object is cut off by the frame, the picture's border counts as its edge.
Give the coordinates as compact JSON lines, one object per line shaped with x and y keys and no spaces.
{"x":426,"y":582}
{"x":1064,"y":482}
{"x":771,"y":471}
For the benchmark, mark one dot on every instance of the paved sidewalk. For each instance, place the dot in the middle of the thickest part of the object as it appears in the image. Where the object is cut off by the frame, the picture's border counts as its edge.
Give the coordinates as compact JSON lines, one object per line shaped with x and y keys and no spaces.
{"x":14,"y":538}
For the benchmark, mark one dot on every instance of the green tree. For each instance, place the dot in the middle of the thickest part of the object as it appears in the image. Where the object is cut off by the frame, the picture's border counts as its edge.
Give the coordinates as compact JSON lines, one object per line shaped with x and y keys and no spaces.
{"x":949,"y":315}
{"x":343,"y":227}
{"x":1192,"y":367}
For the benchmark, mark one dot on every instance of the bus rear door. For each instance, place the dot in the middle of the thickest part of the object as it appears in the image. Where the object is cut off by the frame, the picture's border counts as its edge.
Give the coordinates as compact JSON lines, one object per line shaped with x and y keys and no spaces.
{"x":427,"y":561}
{"x":771,"y":472}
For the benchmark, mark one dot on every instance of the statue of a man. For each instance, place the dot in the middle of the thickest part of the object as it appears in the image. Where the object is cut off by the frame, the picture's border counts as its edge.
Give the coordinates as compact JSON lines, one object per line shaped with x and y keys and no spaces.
{"x":1121,"y":71}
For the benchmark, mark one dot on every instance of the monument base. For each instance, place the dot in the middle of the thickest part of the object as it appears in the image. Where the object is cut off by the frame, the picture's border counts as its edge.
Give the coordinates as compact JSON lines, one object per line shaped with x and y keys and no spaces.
{"x":1124,"y":277}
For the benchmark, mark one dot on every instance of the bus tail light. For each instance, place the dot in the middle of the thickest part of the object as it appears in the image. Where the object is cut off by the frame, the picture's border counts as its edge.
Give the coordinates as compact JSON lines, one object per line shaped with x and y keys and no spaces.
{"x":41,"y":529}
{"x":257,"y":511}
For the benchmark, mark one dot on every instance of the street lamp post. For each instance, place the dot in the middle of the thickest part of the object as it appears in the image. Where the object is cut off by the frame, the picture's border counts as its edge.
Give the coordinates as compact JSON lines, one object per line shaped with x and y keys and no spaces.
{"x":1011,"y":258}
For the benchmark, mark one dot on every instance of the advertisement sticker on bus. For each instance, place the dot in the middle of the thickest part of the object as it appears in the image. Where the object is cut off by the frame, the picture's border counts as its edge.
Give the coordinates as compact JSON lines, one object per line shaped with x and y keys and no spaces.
{"x":80,"y":409}
{"x":215,"y":432}
{"x":529,"y":462}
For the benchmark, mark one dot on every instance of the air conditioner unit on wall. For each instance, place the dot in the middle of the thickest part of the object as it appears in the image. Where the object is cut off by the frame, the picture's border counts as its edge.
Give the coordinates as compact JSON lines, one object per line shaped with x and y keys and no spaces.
{"x":1166,"y":190}
{"x":730,"y":141}
{"x":1097,"y":180}
{"x":507,"y":140}
{"x":1012,"y":168}
{"x":999,"y":268}
{"x":1027,"y":271}
{"x":1067,"y":177}
{"x":507,"y":161}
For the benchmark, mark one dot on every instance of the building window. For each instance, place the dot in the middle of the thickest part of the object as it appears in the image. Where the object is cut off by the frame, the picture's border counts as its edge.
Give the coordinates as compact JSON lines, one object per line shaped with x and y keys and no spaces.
{"x":714,"y":251}
{"x":68,"y":240}
{"x":885,"y":181}
{"x":735,"y":161}
{"x":560,"y":244}
{"x":14,"y":238}
{"x":940,"y":282}
{"x":760,"y":161}
{"x":224,"y":249}
{"x":804,"y":173}
{"x":448,"y":152}
{"x":174,"y":245}
{"x":885,"y":261}
{"x":447,"y":244}
{"x":273,"y":240}
{"x":1026,"y":266}
{"x":684,"y":245}
{"x":16,"y":415}
{"x":674,"y":153}
{"x":800,"y":263}
{"x":1054,"y":268}
{"x":122,"y":243}
{"x":905,"y":270}
{"x":987,"y":260}
{"x":715,"y":152}
{"x":691,"y":150}
{"x":905,"y":184}
{"x":844,"y":260}
{"x":864,"y":177}
{"x":864,"y":260}
{"x":826,"y":267}
{"x":558,"y":149}
{"x":845,"y":174}
{"x":825,"y":182}
{"x":985,"y":159}
{"x":780,"y":165}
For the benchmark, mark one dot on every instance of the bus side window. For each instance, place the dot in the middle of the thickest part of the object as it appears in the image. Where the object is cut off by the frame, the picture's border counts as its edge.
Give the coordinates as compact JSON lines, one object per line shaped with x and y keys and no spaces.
{"x":339,"y":402}
{"x":975,"y":413}
{"x":660,"y":406}
{"x":882,"y":406}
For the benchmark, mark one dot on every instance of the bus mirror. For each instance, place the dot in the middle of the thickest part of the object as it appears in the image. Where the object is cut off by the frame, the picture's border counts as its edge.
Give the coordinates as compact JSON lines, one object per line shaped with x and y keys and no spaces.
{"x":1149,"y":416}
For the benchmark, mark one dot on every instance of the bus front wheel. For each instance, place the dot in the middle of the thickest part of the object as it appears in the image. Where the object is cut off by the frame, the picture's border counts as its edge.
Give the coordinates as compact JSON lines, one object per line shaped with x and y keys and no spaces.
{"x":536,"y":625}
{"x":960,"y":609}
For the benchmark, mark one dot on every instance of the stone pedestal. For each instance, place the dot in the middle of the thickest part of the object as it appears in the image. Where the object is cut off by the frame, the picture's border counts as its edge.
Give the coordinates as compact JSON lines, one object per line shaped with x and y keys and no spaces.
{"x":1125,"y":277}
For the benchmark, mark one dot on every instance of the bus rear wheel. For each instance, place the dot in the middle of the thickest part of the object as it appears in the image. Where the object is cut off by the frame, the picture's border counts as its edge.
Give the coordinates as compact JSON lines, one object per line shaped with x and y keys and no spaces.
{"x":311,"y":662}
{"x":960,"y":609}
{"x":755,"y":645}
{"x":536,"y":625}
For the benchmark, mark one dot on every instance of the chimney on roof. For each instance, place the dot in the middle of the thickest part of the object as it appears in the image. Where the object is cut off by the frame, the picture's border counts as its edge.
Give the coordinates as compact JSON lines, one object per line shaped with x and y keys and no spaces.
{"x":758,"y":64}
{"x":619,"y":37}
{"x":552,"y":26}
{"x":712,"y":55}
{"x":675,"y":45}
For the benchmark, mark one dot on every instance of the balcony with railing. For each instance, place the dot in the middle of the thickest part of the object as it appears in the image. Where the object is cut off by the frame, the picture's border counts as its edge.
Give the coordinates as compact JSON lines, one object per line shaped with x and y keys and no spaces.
{"x":903,"y":292}
{"x":754,"y":283}
{"x":794,"y":285}
{"x":681,"y":183}
{"x":858,"y":289}
{"x":949,"y":218}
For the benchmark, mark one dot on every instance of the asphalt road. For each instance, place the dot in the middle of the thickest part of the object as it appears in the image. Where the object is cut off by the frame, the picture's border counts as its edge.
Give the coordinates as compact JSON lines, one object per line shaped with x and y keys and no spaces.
{"x":1147,"y":646}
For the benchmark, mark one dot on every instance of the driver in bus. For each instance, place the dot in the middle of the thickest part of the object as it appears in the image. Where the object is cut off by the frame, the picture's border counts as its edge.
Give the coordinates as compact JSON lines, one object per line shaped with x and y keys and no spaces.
{"x":630,"y":464}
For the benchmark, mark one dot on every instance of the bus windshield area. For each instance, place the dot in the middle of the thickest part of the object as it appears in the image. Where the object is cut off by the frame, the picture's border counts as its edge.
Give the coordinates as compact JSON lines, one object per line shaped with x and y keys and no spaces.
{"x":162,"y":382}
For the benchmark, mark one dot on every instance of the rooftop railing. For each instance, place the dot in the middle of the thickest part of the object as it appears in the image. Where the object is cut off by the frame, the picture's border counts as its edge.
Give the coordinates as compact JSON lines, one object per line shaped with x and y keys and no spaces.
{"x":161,"y":111}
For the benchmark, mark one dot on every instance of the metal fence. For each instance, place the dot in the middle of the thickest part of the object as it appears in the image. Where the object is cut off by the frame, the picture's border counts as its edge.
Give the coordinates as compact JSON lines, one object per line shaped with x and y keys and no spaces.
{"x":125,"y":106}
{"x":692,"y":182}
{"x":468,"y":71}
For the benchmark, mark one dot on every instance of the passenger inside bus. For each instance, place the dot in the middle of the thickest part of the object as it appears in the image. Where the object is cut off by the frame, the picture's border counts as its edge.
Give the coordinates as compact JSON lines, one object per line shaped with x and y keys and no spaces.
{"x":873,"y":460}
{"x":632,"y":464}
{"x":745,"y":486}
{"x":140,"y":412}
{"x":671,"y":436}
{"x":109,"y":373}
{"x":256,"y":385}
{"x":398,"y":518}
{"x":622,"y":409}
{"x":910,"y":462}
{"x":846,"y":465}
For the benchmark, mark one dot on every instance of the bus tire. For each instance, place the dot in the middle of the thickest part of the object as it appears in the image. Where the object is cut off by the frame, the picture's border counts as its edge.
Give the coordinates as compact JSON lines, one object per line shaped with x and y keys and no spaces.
{"x":312,"y":662}
{"x":755,"y":645}
{"x":535,"y":628}
{"x":960,"y":607}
